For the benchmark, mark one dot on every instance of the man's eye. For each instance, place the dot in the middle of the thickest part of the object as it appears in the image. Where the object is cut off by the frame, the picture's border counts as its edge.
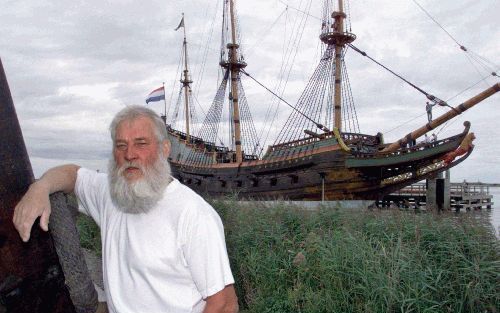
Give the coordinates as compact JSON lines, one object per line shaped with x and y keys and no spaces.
{"x":121,"y":147}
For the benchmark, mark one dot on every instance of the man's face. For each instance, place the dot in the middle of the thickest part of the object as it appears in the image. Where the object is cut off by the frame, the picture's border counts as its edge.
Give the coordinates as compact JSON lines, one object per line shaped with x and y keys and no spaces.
{"x":136,"y":145}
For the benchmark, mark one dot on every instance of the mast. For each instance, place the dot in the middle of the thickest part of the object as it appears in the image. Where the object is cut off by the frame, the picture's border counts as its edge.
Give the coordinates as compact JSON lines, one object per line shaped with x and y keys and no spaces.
{"x":186,"y":82}
{"x":339,"y":38}
{"x":339,"y":20}
{"x":234,"y":65}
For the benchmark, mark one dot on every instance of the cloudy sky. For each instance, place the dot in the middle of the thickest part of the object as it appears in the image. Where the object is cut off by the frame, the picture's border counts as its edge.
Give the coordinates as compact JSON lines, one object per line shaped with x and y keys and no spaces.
{"x":71,"y":65}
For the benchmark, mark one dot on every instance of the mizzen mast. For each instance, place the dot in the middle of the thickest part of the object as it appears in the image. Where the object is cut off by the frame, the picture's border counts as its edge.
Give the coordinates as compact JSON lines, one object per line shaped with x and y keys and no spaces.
{"x":338,"y":37}
{"x":234,"y":64}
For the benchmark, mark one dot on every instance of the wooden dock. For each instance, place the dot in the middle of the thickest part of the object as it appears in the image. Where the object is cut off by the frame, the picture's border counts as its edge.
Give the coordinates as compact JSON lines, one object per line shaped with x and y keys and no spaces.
{"x":465,"y":195}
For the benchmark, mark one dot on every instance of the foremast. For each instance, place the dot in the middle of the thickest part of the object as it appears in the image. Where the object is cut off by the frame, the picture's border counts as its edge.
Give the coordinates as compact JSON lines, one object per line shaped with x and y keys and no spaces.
{"x":338,"y":37}
{"x":186,"y":81}
{"x":234,"y":64}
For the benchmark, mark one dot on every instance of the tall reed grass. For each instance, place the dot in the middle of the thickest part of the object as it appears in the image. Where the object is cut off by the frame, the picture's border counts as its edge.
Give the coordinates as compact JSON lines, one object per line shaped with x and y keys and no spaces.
{"x":287,"y":259}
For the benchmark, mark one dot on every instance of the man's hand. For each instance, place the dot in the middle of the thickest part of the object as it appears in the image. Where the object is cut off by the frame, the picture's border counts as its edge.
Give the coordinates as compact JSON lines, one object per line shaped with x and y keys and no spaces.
{"x":225,"y":301}
{"x":34,"y":203}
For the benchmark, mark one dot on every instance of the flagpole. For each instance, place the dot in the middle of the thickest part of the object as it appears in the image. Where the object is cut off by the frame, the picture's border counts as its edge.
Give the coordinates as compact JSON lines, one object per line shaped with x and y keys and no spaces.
{"x":165,"y":101}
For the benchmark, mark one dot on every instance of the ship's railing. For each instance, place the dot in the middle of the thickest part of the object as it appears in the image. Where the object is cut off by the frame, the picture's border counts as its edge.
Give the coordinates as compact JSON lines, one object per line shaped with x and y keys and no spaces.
{"x":309,"y":143}
{"x":198,"y":142}
{"x":230,"y":157}
{"x":367,"y":140}
{"x":299,"y":142}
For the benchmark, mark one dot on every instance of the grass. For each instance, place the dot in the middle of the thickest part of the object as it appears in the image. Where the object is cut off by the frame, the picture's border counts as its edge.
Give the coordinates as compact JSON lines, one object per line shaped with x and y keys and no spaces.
{"x":285,"y":259}
{"x":90,"y":234}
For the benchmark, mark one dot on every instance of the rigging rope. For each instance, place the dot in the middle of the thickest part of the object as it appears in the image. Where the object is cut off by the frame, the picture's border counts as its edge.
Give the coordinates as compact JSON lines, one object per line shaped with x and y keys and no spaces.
{"x":278,"y":84}
{"x":471,"y":56}
{"x":440,"y":26}
{"x":265,"y":33}
{"x":462,"y":47}
{"x":299,"y":10}
{"x":206,"y":51}
{"x":432,"y":98}
{"x":291,"y":51}
{"x":173,"y":86}
{"x":320,"y":126}
{"x":429,"y":96}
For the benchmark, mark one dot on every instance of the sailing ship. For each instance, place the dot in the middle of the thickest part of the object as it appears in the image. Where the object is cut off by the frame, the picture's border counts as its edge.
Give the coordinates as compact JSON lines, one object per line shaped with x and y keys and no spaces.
{"x":309,"y":160}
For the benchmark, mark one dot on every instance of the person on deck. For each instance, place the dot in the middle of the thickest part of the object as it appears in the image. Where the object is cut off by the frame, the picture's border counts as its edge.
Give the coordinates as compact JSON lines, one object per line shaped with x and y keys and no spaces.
{"x":428,"y":109}
{"x":426,"y":139}
{"x":163,"y":246}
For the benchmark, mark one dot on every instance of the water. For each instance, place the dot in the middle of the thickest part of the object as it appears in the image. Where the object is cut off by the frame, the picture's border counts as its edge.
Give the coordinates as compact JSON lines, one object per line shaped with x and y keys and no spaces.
{"x":488,"y":217}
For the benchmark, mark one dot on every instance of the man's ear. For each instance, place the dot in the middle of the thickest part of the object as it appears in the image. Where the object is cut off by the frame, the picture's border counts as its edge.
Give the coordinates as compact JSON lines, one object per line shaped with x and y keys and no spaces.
{"x":166,"y":148}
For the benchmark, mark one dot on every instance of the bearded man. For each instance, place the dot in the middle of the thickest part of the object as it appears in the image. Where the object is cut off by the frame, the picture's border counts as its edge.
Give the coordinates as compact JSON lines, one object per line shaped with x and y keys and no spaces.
{"x":163,"y":246}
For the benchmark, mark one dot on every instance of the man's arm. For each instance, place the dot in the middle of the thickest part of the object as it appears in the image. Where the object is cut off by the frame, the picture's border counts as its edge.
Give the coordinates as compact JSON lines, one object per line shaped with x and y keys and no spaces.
{"x":36,"y":201}
{"x":224,"y":301}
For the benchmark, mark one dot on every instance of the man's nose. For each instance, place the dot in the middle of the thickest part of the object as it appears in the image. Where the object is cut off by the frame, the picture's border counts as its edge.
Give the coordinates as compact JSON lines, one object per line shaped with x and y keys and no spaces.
{"x":130,"y":153}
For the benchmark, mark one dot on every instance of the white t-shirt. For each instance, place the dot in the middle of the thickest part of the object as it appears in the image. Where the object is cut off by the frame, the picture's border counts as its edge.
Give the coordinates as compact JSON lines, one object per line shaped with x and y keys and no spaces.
{"x":166,"y":260}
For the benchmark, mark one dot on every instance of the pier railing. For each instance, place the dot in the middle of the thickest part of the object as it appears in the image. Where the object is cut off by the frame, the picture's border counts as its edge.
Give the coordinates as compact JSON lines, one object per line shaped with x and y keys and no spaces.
{"x":464,"y":195}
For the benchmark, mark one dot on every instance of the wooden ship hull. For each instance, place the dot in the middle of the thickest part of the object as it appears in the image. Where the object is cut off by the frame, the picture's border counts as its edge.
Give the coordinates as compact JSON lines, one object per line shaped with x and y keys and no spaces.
{"x":328,"y":171}
{"x":335,"y":163}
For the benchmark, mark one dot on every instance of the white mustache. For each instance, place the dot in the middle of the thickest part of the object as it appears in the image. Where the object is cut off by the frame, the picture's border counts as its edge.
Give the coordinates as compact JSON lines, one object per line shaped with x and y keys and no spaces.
{"x":128,"y":165}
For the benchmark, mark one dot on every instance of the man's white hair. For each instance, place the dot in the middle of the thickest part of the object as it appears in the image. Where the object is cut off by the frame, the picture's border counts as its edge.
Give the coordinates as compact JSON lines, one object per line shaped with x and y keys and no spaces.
{"x":133,"y":112}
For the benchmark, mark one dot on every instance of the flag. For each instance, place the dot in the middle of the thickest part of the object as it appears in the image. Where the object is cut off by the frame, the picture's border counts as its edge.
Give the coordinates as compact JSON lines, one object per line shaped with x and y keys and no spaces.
{"x":156,"y":95}
{"x":181,"y":24}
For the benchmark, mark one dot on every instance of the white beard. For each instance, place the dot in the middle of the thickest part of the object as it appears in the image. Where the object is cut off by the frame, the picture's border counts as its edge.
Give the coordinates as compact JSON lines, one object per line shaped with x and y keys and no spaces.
{"x":142,"y":195}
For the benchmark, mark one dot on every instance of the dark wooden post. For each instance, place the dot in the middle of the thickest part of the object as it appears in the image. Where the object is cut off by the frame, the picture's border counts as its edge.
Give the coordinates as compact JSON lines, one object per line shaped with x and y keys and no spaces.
{"x":31,"y":279}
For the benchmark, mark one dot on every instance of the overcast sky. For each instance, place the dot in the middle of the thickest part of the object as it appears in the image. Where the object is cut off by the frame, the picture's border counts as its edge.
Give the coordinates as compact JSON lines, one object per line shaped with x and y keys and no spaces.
{"x":71,"y":65}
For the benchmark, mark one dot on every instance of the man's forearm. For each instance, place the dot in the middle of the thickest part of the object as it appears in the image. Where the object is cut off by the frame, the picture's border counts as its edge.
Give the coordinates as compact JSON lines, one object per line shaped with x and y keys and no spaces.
{"x":60,"y":178}
{"x":225,"y":301}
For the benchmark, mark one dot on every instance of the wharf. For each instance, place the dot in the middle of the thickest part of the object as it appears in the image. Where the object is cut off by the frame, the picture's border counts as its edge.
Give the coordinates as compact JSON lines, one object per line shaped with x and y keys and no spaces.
{"x":465,"y":195}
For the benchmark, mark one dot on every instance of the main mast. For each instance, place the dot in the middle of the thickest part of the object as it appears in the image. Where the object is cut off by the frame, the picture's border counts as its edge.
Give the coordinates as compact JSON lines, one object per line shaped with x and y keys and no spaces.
{"x":234,"y":64}
{"x":339,"y":38}
{"x":186,"y":82}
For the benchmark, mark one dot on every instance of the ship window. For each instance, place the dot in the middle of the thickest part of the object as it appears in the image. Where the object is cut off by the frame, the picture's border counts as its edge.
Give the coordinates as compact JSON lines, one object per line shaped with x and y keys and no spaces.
{"x":223,"y":183}
{"x":189,"y":181}
{"x":294,"y":178}
{"x":239,"y":183}
{"x":198,"y":182}
{"x":255,"y":182}
{"x":274,"y":181}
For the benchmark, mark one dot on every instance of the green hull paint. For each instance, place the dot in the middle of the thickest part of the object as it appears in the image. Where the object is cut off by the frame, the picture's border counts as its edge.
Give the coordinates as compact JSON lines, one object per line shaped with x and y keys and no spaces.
{"x":356,"y":162}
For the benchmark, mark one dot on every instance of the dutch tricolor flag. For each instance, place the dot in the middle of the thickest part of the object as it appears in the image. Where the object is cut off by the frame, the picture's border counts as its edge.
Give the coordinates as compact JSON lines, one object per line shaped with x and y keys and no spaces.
{"x":156,"y":95}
